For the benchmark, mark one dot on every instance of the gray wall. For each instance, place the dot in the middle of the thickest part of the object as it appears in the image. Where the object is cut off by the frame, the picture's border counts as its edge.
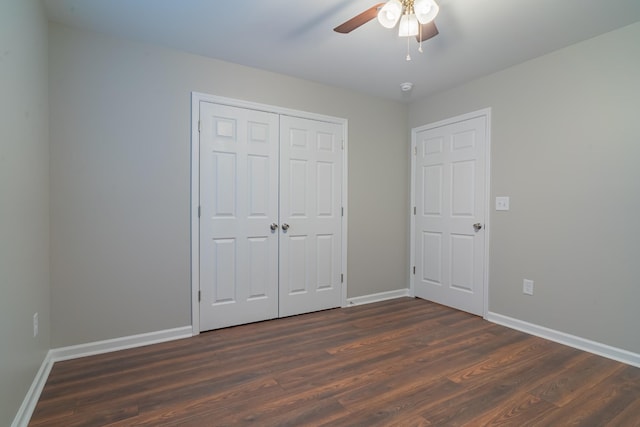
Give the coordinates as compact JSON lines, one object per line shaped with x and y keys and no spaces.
{"x":120,"y":195}
{"x":565,"y":148}
{"x":24,"y":199}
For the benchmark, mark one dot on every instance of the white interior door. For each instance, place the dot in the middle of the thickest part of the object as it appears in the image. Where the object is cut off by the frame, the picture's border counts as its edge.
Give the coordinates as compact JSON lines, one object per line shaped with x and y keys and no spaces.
{"x":310,"y":215}
{"x":450,"y":197}
{"x":239,"y":202}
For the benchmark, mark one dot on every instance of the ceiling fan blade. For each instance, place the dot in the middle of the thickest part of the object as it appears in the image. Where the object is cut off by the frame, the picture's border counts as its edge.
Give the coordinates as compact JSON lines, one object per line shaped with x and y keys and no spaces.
{"x":358,"y":20}
{"x":428,"y":30}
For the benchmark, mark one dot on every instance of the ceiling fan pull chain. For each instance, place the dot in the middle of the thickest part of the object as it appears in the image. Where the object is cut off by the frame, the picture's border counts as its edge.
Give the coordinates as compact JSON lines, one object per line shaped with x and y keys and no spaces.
{"x":408,"y":54}
{"x":420,"y":44}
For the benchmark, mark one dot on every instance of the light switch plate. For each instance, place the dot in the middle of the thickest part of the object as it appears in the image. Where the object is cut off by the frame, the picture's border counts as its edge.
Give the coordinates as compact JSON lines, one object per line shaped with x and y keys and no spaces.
{"x":502,"y":203}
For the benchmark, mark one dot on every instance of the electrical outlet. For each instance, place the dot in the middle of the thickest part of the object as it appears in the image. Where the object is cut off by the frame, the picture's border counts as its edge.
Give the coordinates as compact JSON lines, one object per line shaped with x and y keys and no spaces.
{"x":35,"y":325}
{"x":527,"y":287}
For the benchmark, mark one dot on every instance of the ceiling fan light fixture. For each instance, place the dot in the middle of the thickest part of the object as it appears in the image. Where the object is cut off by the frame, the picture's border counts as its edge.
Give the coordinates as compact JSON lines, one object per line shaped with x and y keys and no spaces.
{"x":425,"y":10}
{"x":389,"y":14}
{"x":415,"y":17}
{"x":408,"y":26}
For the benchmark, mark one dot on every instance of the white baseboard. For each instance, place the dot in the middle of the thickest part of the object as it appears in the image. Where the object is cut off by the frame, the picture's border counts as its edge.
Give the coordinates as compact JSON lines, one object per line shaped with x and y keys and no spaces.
{"x":122,"y":343}
{"x":381,"y":296}
{"x":23,"y":416}
{"x":594,"y":347}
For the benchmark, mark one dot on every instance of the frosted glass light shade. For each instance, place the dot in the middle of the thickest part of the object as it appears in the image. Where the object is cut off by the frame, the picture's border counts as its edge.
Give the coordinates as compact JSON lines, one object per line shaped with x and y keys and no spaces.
{"x":425,"y":10}
{"x":390,"y":13}
{"x":408,"y":26}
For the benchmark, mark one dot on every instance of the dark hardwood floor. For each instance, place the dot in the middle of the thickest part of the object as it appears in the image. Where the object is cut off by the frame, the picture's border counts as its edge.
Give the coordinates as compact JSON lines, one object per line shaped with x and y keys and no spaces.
{"x":404,"y":362}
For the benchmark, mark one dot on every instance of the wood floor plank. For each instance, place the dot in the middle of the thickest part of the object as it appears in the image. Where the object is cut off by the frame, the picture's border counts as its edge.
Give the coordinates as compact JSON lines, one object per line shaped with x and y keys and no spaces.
{"x":387,"y":403}
{"x":599,"y":404}
{"x":579,"y":375}
{"x":404,"y":362}
{"x":492,"y":388}
{"x":627,"y":417}
{"x":520,"y":410}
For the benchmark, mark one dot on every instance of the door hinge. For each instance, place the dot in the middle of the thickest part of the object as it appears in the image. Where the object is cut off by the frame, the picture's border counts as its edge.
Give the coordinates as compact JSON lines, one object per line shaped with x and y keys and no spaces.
{"x":198,"y":211}
{"x":199,"y":296}
{"x":342,"y":278}
{"x":342,"y":211}
{"x":414,"y":269}
{"x":198,"y":126}
{"x":414,"y":210}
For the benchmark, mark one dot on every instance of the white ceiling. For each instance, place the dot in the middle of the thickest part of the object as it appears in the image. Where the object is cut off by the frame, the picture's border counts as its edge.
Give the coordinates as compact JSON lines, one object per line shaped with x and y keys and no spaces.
{"x":295,"y":37}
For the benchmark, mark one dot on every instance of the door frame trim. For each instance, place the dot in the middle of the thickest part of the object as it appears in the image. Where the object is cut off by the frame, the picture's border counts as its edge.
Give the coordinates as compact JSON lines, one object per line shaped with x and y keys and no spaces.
{"x":485,"y":112}
{"x":196,"y":99}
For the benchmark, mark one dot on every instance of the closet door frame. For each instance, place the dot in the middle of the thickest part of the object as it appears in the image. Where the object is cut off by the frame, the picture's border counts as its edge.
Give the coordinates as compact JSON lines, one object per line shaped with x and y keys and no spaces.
{"x":196,"y":99}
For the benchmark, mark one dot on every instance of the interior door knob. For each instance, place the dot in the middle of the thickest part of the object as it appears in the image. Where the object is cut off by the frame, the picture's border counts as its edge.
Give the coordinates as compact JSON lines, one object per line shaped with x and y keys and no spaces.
{"x":273,"y":226}
{"x":477,"y":226}
{"x":285,"y":226}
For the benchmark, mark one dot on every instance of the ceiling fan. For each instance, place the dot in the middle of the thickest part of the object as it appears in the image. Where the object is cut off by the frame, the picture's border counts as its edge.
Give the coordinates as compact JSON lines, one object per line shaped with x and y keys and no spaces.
{"x":415,"y":16}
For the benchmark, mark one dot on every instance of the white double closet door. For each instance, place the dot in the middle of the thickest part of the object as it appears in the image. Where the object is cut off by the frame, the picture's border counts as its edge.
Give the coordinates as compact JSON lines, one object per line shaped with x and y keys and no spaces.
{"x":271,"y":215}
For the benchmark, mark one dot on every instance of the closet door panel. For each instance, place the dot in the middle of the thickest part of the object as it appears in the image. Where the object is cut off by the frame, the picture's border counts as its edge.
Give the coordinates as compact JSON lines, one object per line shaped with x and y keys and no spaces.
{"x":310,"y":215}
{"x":239,"y":202}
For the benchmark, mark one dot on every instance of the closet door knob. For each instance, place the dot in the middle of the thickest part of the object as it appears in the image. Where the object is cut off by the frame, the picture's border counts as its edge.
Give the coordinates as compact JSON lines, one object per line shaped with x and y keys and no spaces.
{"x":273,"y":226}
{"x":285,"y":226}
